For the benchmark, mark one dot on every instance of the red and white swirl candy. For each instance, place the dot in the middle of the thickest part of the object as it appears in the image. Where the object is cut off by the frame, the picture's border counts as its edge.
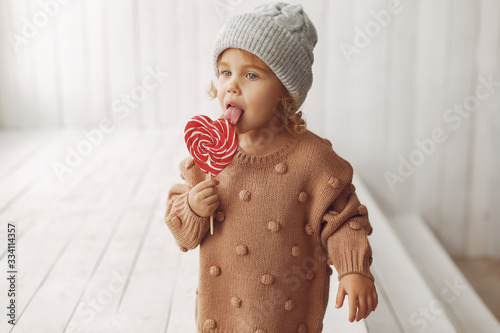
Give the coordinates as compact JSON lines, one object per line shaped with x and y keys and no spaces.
{"x":212,"y":143}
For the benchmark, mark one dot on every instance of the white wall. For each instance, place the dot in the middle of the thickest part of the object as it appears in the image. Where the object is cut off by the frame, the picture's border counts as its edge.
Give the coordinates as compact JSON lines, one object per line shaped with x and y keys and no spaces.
{"x":76,"y":65}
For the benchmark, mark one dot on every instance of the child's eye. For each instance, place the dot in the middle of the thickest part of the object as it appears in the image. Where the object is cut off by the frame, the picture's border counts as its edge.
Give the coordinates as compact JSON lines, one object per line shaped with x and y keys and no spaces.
{"x":252,"y":76}
{"x":226,"y":73}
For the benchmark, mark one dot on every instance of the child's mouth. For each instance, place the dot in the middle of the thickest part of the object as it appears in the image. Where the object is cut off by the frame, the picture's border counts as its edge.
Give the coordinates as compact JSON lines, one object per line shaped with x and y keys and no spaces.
{"x":233,"y":114}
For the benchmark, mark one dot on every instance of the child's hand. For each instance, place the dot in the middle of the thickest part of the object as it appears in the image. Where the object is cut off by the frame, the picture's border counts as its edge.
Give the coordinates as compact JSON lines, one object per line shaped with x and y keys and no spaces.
{"x":362,"y":294}
{"x":203,"y":198}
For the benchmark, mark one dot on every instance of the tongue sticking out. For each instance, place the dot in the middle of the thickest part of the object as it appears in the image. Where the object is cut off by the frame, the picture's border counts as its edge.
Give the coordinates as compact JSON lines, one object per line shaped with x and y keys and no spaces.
{"x":233,"y":114}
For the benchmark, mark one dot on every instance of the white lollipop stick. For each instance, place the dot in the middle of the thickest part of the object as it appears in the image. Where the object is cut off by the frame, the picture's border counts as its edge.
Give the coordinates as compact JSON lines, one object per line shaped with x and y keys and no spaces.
{"x":211,"y":216}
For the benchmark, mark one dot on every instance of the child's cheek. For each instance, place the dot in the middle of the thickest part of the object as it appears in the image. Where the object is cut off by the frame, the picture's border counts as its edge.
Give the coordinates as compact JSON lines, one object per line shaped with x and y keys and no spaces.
{"x":220,"y":96}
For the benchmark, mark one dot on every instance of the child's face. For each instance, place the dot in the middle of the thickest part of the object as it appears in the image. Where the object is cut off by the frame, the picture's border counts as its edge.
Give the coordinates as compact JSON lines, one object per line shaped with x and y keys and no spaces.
{"x":248,"y":83}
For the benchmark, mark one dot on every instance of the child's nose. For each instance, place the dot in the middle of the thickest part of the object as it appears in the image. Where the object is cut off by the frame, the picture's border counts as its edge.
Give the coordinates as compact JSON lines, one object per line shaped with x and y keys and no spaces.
{"x":233,"y":86}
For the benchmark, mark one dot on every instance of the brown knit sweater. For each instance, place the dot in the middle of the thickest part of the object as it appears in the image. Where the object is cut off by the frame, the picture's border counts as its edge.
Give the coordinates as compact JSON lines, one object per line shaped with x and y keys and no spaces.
{"x":283,"y":219}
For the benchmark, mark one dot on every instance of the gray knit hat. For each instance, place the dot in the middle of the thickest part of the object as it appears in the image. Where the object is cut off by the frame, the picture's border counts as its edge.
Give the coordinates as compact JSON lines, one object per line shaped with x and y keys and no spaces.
{"x":280,"y":34}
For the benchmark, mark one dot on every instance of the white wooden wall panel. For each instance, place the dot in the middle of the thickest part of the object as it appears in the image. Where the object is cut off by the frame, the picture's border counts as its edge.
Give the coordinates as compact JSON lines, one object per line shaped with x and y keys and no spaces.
{"x":454,"y":153}
{"x":188,"y":45}
{"x":9,"y":82}
{"x":3,"y":55}
{"x":145,"y":49}
{"x":401,"y":105}
{"x":492,"y":213}
{"x":72,"y":65}
{"x":432,"y":54}
{"x":481,"y":215}
{"x":122,"y":62}
{"x":168,"y":56}
{"x":335,"y":103}
{"x":78,"y":68}
{"x":314,"y":109}
{"x":368,"y":92}
{"x":18,"y":67}
{"x":211,"y":17}
{"x":47,"y":93}
{"x":97,"y":68}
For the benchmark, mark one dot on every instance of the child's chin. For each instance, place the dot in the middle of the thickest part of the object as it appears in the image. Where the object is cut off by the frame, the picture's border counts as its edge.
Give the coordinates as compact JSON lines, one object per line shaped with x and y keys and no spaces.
{"x":240,"y":129}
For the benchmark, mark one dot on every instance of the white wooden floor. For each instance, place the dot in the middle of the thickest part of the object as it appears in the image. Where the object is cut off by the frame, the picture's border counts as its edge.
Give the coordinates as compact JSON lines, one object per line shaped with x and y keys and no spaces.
{"x":93,"y":253}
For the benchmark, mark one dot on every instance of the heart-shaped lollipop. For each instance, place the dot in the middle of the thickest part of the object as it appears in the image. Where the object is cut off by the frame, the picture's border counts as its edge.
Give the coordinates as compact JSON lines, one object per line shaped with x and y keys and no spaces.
{"x":212,"y":144}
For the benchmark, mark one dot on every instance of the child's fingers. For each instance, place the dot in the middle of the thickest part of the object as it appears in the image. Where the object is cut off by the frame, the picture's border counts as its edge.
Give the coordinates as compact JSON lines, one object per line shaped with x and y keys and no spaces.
{"x":353,"y":305}
{"x":207,"y":188}
{"x":209,"y":183}
{"x":370,"y":307}
{"x":365,"y":308}
{"x":362,"y":305}
{"x":203,"y":198}
{"x":372,"y":302}
{"x":211,"y":208}
{"x":375,"y":300}
{"x":211,"y":200}
{"x":208,"y":192}
{"x":340,"y":298}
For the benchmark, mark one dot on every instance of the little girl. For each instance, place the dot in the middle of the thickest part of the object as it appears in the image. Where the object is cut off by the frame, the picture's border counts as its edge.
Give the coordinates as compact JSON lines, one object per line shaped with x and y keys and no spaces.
{"x":285,"y":207}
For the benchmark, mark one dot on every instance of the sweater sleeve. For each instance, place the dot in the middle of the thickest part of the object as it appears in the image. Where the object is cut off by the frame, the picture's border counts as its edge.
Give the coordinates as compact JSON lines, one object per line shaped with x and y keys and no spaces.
{"x":188,"y":228}
{"x":344,"y":234}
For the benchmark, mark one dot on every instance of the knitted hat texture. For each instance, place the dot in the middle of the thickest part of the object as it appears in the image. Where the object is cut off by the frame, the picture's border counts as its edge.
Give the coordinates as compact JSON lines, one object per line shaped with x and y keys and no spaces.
{"x":280,"y":34}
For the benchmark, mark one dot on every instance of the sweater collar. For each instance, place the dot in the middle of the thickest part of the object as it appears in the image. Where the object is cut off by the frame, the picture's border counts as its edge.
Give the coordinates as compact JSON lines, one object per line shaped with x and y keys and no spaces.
{"x":243,"y":158}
